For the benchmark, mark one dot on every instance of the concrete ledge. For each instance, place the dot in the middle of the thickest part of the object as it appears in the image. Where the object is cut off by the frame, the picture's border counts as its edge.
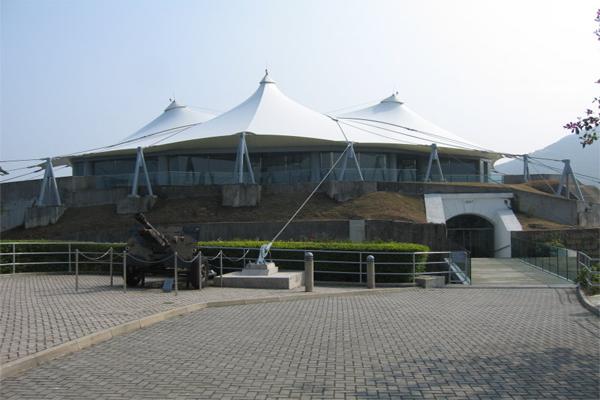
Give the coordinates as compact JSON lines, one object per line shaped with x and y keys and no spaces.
{"x":430,"y":281}
{"x":586,"y":303}
{"x":240,"y":195}
{"x":278,"y":280}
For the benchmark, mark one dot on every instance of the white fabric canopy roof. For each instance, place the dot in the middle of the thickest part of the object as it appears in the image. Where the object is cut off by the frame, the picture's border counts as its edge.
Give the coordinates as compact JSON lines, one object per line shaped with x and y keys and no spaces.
{"x":266,"y":112}
{"x":175,"y":116}
{"x":391,"y":121}
{"x":270,"y":118}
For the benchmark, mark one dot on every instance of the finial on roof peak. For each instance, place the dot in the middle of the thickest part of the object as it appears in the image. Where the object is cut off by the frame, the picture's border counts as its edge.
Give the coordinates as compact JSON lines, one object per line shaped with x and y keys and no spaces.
{"x":173,"y":104}
{"x":394,"y":98}
{"x":267,"y":78}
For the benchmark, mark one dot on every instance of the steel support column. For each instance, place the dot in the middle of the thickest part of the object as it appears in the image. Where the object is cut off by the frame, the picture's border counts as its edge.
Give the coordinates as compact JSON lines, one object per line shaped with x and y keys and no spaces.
{"x":140,"y":162}
{"x":49,"y":195}
{"x":433,"y":156}
{"x":241,"y":157}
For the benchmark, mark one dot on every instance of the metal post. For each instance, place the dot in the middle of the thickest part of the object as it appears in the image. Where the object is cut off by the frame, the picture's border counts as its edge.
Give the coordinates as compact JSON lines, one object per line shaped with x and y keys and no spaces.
{"x":110,"y":266}
{"x":414,"y":266}
{"x":567,"y":261}
{"x":14,"y":258}
{"x":221,"y":265}
{"x":309,"y":272}
{"x":175,"y":271}
{"x":199,"y":270}
{"x":360,"y":267}
{"x":76,"y":270}
{"x":125,"y":271}
{"x":69,"y":257}
{"x":370,"y":272}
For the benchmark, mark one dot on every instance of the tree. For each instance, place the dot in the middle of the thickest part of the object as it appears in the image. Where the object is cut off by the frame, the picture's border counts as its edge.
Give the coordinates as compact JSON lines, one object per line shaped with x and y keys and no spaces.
{"x":587,"y":127}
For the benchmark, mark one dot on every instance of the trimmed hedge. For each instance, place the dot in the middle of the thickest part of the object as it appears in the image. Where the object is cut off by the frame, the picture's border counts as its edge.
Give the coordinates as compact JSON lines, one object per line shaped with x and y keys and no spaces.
{"x":327,"y":256}
{"x":59,"y":262}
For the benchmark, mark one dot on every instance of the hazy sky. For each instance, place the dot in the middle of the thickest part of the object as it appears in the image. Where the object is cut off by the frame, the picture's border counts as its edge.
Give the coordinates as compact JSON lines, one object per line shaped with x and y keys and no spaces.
{"x":505,"y":74}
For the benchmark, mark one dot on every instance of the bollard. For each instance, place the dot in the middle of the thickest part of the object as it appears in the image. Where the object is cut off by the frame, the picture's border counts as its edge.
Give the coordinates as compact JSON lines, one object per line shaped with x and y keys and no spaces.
{"x":125,"y":271}
{"x":309,"y":272}
{"x":175,"y":271}
{"x":76,"y":270}
{"x":370,"y":272}
{"x":199,"y":270}
{"x":110,"y":266}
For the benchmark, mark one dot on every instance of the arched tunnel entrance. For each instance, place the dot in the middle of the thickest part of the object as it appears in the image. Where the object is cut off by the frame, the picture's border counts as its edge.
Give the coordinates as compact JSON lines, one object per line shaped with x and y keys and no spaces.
{"x":473,"y":233}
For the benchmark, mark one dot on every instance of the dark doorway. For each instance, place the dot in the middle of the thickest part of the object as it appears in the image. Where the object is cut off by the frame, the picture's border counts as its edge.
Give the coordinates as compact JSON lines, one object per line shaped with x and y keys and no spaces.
{"x":473,"y":233}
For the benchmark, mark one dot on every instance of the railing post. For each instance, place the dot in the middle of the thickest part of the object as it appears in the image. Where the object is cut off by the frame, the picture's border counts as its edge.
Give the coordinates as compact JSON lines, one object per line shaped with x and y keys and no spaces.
{"x":309,"y":272}
{"x":175,"y":271}
{"x":14,"y":258}
{"x":243,"y":258}
{"x":360,"y":267}
{"x":124,"y":271}
{"x":468,"y":265}
{"x":414,"y":266}
{"x":76,"y":270}
{"x":221,"y":265}
{"x":110,"y":265}
{"x":69,"y":257}
{"x":200,"y":270}
{"x":577,"y":264}
{"x":370,"y":272}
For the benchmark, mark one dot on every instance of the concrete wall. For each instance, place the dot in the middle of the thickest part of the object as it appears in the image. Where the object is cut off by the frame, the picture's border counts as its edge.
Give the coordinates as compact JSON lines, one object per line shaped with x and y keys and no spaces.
{"x":548,"y":207}
{"x":585,"y":240}
{"x":432,"y":235}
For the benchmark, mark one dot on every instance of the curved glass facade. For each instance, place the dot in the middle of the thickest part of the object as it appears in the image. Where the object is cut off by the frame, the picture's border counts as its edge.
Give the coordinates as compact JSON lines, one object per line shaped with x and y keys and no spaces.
{"x":280,"y":168}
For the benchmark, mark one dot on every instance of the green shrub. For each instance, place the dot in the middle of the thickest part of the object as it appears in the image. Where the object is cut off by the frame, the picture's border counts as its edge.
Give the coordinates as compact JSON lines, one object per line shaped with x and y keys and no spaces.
{"x":331,"y":258}
{"x":589,"y":279}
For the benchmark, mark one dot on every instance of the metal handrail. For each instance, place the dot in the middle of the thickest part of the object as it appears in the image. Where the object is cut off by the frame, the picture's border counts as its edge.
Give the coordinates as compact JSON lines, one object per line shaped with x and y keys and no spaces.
{"x":362,"y":260}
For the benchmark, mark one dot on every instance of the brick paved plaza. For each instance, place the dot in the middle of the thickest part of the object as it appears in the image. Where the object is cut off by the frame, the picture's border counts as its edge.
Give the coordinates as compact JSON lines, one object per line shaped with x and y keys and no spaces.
{"x":41,"y":311}
{"x":412,"y":343}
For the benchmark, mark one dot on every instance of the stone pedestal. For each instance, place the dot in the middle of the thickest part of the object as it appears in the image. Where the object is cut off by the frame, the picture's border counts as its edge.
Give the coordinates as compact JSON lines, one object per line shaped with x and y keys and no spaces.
{"x":253,"y":269}
{"x":262,"y":276}
{"x":430,"y":281}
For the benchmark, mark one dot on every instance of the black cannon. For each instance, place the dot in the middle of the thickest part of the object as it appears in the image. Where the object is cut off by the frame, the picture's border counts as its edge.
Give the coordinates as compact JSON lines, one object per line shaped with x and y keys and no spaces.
{"x":150,"y":251}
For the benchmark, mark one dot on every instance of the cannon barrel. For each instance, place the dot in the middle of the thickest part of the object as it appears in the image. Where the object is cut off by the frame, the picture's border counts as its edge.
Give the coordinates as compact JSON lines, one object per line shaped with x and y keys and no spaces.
{"x":152,"y":232}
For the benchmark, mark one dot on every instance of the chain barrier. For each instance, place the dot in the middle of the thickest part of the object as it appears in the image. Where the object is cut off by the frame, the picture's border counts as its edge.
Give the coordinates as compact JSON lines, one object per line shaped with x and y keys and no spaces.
{"x":96,"y":258}
{"x":149,"y":262}
{"x":216,"y":256}
{"x":237,"y":259}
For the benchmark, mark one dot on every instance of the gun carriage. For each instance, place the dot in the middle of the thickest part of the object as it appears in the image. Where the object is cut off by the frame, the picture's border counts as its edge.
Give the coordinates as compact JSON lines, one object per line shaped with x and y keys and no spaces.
{"x":150,"y":251}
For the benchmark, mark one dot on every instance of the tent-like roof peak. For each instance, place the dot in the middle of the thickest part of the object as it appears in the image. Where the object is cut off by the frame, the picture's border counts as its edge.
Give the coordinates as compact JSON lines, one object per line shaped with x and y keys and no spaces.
{"x":394,"y":98}
{"x":174,"y":104}
{"x":267,"y":78}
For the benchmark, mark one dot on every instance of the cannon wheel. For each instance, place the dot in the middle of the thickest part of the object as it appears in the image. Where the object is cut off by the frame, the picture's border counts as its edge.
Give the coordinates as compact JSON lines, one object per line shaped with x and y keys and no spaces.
{"x":193,"y":275}
{"x":135,"y":276}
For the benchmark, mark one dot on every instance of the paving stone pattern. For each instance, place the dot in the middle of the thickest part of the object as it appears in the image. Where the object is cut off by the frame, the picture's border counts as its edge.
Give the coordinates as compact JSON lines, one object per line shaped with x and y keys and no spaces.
{"x":41,"y":311}
{"x":410,"y":344}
